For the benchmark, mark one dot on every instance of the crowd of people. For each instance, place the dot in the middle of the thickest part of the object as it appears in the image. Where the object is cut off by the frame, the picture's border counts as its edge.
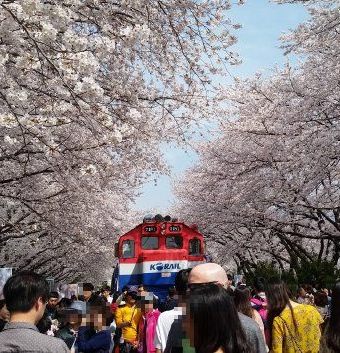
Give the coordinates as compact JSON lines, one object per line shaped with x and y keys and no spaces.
{"x":203,"y":313}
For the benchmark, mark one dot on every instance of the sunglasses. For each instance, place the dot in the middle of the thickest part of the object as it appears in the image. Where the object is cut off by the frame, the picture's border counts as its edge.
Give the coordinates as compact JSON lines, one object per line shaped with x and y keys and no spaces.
{"x":201,"y":285}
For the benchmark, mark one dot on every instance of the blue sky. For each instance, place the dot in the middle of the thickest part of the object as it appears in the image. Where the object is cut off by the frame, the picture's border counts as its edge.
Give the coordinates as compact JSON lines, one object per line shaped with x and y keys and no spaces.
{"x":258,"y":45}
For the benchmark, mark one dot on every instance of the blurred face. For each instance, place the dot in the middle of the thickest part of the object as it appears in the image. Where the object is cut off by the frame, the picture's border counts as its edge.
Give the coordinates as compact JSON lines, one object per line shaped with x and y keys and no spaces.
{"x":87,"y":294}
{"x":52,"y":302}
{"x":74,"y":320}
{"x":131,"y":299}
{"x":106,"y":293}
{"x":147,"y":299}
{"x":4,"y":313}
{"x":97,"y":319}
{"x":147,"y":305}
{"x":141,"y":291}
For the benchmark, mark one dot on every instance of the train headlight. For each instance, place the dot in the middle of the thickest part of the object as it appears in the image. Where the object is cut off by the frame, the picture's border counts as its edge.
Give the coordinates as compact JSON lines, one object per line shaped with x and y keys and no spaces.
{"x":148,"y":218}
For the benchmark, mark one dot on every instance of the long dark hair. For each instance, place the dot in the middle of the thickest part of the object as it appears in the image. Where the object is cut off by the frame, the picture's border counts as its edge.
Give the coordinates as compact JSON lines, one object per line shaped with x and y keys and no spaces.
{"x":242,"y":297}
{"x":333,"y":327}
{"x":278,"y":299}
{"x":215,"y":320}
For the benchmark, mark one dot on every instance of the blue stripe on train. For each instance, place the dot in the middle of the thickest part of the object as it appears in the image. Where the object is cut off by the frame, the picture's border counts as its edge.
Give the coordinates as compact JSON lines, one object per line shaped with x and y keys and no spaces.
{"x":154,"y":282}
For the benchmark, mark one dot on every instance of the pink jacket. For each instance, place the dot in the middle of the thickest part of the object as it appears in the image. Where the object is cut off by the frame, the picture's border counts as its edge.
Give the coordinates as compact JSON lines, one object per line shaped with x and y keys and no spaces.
{"x":147,"y":330}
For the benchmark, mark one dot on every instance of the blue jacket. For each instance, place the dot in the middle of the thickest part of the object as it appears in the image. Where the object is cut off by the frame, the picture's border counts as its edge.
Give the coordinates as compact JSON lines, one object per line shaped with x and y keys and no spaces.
{"x":100,"y":342}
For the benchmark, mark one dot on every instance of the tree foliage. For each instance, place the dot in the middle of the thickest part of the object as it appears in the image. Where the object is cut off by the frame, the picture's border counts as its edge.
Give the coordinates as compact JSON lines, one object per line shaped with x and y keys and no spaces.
{"x":267,"y":189}
{"x":321,"y":274}
{"x":88,"y":90}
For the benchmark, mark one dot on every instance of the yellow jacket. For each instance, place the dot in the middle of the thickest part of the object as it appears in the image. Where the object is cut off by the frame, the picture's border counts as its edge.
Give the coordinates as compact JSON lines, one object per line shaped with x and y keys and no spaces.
{"x":304,"y":337}
{"x":131,"y":314}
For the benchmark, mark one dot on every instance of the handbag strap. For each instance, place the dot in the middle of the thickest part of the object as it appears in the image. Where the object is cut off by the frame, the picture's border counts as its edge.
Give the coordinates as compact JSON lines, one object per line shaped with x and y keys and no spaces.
{"x":294,"y":338}
{"x":133,"y":312}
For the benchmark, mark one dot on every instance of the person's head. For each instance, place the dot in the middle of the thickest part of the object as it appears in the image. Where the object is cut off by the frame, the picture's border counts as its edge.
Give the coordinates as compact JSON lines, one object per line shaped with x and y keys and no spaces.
{"x":141,"y":288}
{"x":98,"y":315}
{"x":26,"y":294}
{"x":212,"y":321}
{"x":333,"y":331}
{"x":75,"y":312}
{"x":64,"y":303}
{"x":88,"y":289}
{"x":277,"y":299}
{"x":308,"y":288}
{"x":325,"y":290}
{"x":4,"y":313}
{"x":132,"y":295}
{"x":277,"y":295}
{"x":242,"y":297}
{"x":68,"y":317}
{"x":230,"y":280}
{"x":53,"y":299}
{"x":208,"y":273}
{"x":181,"y":281}
{"x":301,"y":292}
{"x":148,"y":302}
{"x":106,"y":292}
{"x":320,"y":299}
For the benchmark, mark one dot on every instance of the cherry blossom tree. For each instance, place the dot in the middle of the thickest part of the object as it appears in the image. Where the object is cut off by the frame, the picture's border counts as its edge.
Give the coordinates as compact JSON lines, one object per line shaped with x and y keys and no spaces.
{"x":267,"y":188}
{"x":88,"y":91}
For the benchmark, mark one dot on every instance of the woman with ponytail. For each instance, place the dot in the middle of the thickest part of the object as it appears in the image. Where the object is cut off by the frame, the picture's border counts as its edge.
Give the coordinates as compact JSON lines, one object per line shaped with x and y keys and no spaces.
{"x":294,"y":328}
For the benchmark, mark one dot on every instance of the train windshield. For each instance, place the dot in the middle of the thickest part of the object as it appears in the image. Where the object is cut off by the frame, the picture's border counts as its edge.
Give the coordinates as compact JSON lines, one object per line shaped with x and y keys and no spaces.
{"x":174,"y":242}
{"x":150,"y":243}
{"x":128,"y":249}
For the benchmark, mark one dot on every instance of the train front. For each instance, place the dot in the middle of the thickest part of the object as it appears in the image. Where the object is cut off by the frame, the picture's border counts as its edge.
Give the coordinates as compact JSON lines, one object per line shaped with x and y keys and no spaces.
{"x":152,"y":253}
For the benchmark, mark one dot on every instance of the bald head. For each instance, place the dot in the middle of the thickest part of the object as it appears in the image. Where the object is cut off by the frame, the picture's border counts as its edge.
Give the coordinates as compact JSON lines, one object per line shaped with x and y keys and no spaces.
{"x":209,"y":272}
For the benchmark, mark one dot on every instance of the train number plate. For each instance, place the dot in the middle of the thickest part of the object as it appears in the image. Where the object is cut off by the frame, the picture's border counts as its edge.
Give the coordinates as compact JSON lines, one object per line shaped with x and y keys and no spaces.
{"x":166,"y":274}
{"x":150,"y":229}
